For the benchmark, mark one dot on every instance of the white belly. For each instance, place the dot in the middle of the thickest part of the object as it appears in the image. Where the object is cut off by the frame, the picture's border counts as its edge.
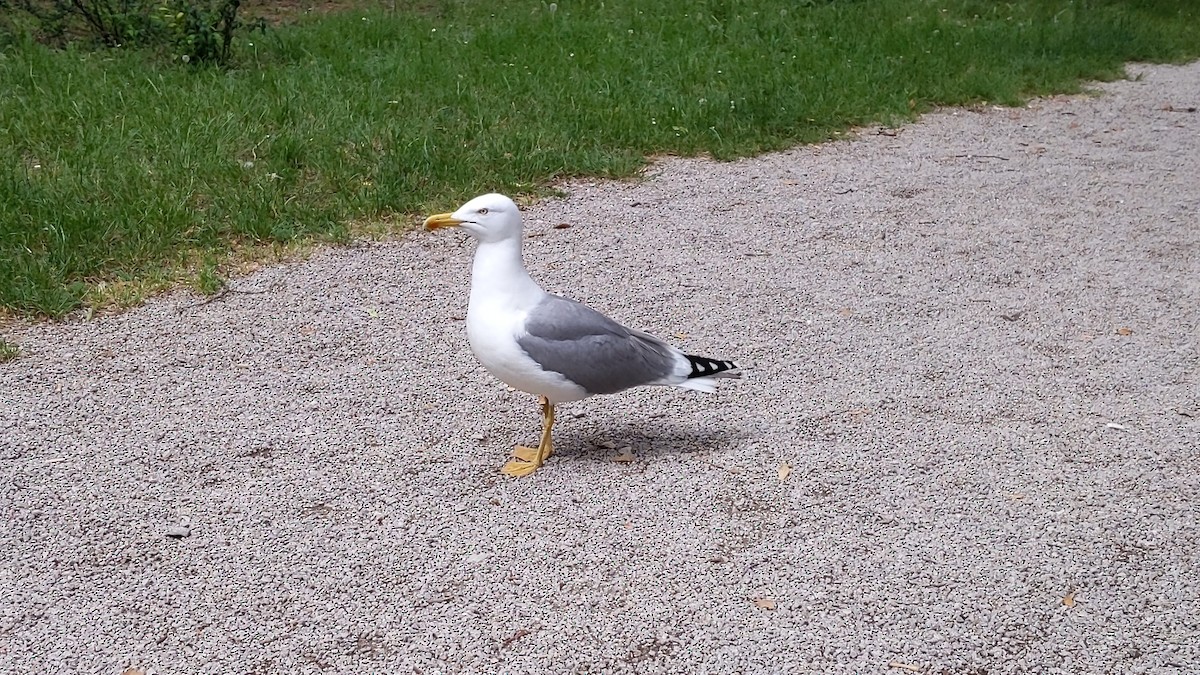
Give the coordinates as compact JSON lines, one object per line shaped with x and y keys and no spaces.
{"x":493,"y":336}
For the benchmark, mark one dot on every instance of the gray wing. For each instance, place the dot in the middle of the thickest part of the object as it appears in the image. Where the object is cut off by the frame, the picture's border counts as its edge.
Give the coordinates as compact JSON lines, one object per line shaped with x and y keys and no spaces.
{"x":592,"y":350}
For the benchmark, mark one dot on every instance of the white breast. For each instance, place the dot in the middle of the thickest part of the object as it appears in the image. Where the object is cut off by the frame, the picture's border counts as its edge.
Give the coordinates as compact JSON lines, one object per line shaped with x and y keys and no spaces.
{"x":493,"y":332}
{"x":502,"y":295}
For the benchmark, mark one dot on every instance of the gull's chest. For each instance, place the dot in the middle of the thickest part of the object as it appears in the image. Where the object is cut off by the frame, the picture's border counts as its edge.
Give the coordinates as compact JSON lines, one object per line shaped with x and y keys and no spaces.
{"x":492,"y":330}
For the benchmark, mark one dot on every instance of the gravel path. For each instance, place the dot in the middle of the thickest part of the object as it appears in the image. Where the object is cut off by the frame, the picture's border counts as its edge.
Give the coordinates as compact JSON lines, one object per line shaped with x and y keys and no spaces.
{"x":972,"y":340}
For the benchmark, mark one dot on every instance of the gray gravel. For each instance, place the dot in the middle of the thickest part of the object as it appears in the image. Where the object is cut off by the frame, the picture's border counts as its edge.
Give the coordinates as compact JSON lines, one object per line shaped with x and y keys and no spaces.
{"x":973,"y":340}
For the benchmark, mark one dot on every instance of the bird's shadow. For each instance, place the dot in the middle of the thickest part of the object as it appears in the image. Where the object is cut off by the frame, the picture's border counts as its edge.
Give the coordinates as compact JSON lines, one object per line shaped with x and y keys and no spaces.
{"x":649,"y":438}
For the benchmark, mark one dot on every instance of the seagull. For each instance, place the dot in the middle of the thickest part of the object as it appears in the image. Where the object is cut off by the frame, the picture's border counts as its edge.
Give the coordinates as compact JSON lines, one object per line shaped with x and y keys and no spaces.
{"x":548,"y":345}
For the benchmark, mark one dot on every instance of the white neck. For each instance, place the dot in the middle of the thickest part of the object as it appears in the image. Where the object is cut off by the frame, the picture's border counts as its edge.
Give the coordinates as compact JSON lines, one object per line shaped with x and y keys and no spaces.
{"x":498,"y":275}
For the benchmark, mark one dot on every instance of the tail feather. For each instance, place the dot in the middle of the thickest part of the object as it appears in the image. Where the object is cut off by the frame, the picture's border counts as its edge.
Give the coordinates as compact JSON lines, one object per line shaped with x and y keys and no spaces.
{"x":706,"y":367}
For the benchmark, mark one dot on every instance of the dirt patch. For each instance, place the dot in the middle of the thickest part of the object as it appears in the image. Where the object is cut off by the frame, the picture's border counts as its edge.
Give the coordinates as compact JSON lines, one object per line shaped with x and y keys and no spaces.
{"x":286,"y":11}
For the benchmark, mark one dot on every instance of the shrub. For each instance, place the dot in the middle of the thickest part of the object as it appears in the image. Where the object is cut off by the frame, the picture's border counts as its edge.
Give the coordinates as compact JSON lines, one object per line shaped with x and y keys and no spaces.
{"x":200,"y":32}
{"x":195,"y":31}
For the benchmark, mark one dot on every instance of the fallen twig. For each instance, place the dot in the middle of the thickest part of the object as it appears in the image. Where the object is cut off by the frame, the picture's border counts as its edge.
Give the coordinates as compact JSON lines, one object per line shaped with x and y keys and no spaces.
{"x":1004,"y":159}
{"x":733,"y":470}
{"x":520,"y":633}
{"x":220,"y":295}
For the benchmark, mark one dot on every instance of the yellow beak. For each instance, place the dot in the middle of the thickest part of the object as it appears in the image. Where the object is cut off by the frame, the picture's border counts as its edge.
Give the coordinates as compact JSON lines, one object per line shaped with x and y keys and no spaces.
{"x":441,"y":220}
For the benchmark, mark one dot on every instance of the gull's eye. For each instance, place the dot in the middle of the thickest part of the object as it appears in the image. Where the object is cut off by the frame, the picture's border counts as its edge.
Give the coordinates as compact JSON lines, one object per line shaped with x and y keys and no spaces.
{"x":483,"y":212}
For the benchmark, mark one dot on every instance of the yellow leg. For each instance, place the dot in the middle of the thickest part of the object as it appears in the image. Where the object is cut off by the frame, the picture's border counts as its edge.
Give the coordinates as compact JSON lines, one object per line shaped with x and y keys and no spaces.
{"x":527,"y":460}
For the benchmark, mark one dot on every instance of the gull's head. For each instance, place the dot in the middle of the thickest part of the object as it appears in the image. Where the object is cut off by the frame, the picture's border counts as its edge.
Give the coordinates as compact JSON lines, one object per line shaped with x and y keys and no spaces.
{"x":488,"y":218}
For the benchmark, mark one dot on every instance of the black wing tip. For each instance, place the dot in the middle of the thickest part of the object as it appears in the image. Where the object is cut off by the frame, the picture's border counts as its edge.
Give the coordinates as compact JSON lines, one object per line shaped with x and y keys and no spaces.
{"x":703,"y":366}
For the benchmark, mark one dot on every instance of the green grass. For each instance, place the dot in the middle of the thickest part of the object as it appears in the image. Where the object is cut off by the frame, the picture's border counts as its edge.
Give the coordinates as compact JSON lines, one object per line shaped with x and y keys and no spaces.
{"x":119,"y":169}
{"x":208,"y":279}
{"x":8,"y":350}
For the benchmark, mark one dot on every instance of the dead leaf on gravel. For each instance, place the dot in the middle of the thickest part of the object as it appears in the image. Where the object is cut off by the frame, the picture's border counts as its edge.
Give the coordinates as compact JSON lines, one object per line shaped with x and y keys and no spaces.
{"x":764,"y":603}
{"x":562,"y":226}
{"x":904,"y":666}
{"x":133,"y":670}
{"x":1124,"y":331}
{"x":1069,"y":599}
{"x":681,"y":336}
{"x":625,"y":456}
{"x":1016,"y":496}
{"x":845,"y":312}
{"x":785,"y":470}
